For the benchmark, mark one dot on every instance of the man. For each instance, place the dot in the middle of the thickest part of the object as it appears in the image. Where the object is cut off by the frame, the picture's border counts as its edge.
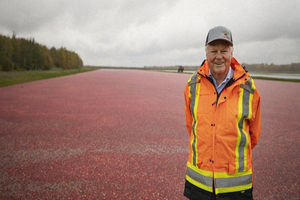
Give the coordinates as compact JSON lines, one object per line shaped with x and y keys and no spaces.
{"x":222,"y":107}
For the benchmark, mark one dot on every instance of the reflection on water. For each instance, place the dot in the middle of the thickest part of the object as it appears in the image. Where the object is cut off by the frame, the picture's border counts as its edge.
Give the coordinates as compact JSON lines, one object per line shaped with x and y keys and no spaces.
{"x":277,"y":75}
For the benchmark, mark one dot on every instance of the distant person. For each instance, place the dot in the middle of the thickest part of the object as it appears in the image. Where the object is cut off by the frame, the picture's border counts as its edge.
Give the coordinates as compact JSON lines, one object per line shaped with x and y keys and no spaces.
{"x":222,"y":108}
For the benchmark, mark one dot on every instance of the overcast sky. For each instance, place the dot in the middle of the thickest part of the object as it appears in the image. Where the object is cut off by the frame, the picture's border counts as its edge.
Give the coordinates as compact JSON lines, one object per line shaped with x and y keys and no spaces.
{"x":157,"y":32}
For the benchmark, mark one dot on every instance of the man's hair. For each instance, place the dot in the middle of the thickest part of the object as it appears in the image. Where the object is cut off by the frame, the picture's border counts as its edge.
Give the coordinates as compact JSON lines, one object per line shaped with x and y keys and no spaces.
{"x":226,"y":44}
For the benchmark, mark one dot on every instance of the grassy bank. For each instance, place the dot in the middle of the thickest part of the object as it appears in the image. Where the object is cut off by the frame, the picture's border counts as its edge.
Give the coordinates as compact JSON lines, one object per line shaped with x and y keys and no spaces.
{"x":11,"y":78}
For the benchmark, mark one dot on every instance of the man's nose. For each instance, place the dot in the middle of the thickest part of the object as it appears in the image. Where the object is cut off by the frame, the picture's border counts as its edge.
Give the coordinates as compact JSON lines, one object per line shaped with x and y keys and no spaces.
{"x":219,"y":55}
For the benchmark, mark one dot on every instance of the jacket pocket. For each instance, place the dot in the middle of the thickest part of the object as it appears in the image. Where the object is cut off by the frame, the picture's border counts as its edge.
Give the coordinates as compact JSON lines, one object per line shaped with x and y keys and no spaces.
{"x":205,"y":98}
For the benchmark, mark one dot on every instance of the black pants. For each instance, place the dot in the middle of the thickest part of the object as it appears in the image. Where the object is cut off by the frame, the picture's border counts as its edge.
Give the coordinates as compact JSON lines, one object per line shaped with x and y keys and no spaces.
{"x":194,"y":193}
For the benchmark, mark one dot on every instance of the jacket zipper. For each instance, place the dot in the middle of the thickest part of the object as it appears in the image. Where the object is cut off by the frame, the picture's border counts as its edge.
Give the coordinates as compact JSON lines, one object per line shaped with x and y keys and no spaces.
{"x":230,"y":82}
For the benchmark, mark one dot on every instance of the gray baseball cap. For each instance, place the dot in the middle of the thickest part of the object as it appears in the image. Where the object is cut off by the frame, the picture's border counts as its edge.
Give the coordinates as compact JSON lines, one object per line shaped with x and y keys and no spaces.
{"x":219,"y":33}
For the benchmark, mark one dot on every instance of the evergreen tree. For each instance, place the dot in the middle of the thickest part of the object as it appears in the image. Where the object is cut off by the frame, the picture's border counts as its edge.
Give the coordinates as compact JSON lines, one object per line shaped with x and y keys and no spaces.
{"x":6,"y":54}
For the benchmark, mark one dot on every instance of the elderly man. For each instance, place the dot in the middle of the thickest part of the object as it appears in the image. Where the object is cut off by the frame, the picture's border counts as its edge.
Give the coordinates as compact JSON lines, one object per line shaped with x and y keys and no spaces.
{"x":222,"y":107}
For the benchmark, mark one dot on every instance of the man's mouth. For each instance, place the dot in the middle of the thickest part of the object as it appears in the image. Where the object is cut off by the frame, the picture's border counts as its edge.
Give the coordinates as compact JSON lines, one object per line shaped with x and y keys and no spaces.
{"x":218,"y":63}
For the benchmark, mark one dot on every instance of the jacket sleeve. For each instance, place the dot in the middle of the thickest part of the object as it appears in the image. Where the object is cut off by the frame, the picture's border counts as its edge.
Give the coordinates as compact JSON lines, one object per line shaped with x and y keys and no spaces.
{"x":188,"y":114}
{"x":255,"y":122}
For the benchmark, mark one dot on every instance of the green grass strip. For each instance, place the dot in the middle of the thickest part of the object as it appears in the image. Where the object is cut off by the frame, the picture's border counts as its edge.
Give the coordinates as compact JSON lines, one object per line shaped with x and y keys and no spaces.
{"x":16,"y":77}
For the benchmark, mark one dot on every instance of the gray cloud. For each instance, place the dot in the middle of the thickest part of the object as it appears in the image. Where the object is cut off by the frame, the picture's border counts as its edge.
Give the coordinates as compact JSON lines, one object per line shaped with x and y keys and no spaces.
{"x":158,"y":32}
{"x":28,"y":15}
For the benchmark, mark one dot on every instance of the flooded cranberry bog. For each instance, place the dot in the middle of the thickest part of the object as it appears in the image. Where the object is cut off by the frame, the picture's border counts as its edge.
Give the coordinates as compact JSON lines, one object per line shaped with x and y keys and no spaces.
{"x":120,"y":134}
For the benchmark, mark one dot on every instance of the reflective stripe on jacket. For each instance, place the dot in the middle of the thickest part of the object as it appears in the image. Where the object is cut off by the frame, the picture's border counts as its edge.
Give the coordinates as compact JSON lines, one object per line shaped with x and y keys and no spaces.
{"x":223,"y":130}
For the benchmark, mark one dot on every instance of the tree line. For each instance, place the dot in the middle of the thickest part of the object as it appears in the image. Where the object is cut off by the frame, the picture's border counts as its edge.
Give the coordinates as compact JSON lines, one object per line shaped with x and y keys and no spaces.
{"x":26,"y":54}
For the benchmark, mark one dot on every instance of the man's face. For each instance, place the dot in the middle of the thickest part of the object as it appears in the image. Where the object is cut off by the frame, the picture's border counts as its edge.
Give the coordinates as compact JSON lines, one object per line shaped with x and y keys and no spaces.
{"x":218,"y":55}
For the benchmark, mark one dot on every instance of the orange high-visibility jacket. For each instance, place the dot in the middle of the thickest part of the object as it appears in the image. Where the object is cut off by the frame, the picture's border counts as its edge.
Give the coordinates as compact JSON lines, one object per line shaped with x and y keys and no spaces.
{"x":223,"y":130}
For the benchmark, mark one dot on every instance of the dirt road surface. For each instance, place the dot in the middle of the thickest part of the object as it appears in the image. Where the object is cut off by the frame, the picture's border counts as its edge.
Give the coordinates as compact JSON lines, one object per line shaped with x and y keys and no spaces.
{"x":120,"y":134}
